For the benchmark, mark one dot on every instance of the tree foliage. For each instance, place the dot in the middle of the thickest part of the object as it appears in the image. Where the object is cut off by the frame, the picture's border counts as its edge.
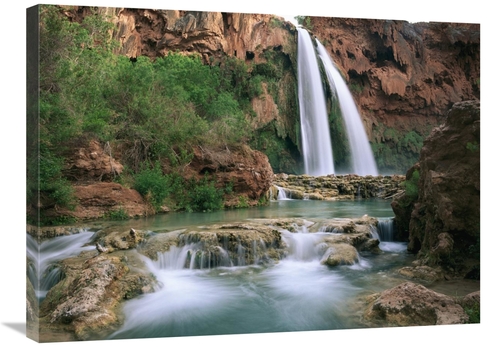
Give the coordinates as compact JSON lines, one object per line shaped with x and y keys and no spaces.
{"x":157,"y":109}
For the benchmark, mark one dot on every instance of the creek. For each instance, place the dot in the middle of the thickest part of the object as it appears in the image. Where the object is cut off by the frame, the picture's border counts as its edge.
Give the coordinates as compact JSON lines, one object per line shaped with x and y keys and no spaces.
{"x":294,"y":294}
{"x":297,"y":293}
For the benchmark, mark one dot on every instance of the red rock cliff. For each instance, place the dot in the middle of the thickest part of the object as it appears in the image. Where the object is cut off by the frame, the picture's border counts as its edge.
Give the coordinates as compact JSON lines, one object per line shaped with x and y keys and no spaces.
{"x":444,"y":219}
{"x":404,"y":75}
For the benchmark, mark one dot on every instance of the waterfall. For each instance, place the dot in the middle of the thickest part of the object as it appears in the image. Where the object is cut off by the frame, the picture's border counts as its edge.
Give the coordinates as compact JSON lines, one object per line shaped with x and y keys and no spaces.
{"x":316,"y":141}
{"x":282,"y":194}
{"x":43,"y":271}
{"x":386,"y":229}
{"x":363,"y":162}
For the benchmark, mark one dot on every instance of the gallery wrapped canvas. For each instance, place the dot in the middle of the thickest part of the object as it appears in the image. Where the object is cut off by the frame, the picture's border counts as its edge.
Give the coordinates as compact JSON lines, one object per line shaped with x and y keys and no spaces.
{"x":194,"y":173}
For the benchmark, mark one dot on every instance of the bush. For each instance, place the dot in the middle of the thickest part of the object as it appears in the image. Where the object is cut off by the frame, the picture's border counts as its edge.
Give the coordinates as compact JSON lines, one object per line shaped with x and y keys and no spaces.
{"x":204,"y":196}
{"x":411,"y":186}
{"x":119,"y":214}
{"x":474,"y":313}
{"x":152,"y":184}
{"x":52,"y":183}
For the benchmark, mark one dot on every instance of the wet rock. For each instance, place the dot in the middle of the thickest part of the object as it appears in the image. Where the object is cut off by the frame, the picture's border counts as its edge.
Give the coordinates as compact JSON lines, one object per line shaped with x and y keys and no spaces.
{"x":119,"y":238}
{"x":422,"y":272}
{"x":340,"y":254}
{"x":233,"y":244}
{"x":411,"y":304}
{"x":87,"y":299}
{"x":336,"y":187}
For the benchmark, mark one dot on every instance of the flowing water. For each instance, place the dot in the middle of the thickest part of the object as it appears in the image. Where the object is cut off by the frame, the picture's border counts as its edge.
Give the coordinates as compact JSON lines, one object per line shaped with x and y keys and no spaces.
{"x":316,"y":142}
{"x":295,"y":294}
{"x":363,"y":162}
{"x":42,"y":270}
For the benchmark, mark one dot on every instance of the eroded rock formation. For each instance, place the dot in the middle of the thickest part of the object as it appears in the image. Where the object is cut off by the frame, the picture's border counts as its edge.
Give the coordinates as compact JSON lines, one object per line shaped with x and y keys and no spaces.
{"x":86,"y":301}
{"x":403,"y":76}
{"x":246,"y":170}
{"x":444,"y":219}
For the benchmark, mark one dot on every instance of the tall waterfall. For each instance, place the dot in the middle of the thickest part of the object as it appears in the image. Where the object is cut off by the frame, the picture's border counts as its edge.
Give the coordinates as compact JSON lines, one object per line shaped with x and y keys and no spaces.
{"x":316,"y":141}
{"x":363,"y":162}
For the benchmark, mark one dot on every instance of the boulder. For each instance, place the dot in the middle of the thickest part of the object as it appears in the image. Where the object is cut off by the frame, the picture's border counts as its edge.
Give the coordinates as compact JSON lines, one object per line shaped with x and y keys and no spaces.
{"x":340,"y":254}
{"x":86,"y":301}
{"x":411,"y":304}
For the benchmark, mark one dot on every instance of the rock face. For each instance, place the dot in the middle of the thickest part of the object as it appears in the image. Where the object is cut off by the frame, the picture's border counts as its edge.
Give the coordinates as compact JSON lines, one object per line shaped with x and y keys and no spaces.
{"x":102,"y":199}
{"x":405,"y":70}
{"x":444,"y":220}
{"x":92,"y":162}
{"x":155,"y":32}
{"x":410,"y":304}
{"x":403,"y":76}
{"x":246,"y":170}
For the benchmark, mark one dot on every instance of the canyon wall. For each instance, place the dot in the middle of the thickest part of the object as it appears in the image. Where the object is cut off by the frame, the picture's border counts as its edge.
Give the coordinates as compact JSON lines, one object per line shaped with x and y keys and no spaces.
{"x":441,"y":207}
{"x":404,"y":76}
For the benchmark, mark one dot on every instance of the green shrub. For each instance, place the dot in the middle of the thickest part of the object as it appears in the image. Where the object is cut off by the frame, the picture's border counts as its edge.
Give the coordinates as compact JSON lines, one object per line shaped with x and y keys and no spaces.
{"x":119,"y":214}
{"x":205,"y":196}
{"x":472,"y":146}
{"x":152,"y":184}
{"x":411,"y":186}
{"x":52,"y":183}
{"x":242,"y":202}
{"x":474,"y":313}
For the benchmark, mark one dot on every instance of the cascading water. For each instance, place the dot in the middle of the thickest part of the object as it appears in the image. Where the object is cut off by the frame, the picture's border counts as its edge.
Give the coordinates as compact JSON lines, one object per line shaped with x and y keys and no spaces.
{"x":363,"y":162}
{"x":295,"y":294}
{"x":316,"y":141}
{"x":42,"y":273}
{"x":386,"y":229}
{"x":384,"y":232}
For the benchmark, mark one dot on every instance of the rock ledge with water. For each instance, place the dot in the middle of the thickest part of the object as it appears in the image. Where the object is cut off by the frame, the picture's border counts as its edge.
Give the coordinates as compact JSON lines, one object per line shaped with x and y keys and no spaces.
{"x":335,"y":187}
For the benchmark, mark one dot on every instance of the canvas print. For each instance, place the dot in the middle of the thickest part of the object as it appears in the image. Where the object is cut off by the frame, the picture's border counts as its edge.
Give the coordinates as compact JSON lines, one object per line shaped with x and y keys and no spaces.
{"x":195,"y":173}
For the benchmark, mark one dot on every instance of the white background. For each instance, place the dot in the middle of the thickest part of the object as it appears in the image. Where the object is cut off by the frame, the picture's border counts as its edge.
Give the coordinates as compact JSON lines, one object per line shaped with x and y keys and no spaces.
{"x":12,"y":168}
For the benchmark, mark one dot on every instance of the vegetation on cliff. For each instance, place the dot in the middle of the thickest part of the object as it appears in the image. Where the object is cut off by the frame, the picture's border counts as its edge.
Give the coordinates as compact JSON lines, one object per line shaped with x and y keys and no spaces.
{"x":155,"y":111}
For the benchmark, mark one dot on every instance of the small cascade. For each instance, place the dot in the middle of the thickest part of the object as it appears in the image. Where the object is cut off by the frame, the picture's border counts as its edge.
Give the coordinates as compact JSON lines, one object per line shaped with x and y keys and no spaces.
{"x":211,"y":252}
{"x":282,"y":194}
{"x":315,"y":130}
{"x":385,"y":234}
{"x":374,"y":232}
{"x":303,"y":245}
{"x":386,"y":229}
{"x":363,"y":162}
{"x":43,"y":271}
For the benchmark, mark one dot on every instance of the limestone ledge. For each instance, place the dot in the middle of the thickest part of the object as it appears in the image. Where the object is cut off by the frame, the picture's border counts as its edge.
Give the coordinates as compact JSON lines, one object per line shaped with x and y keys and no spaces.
{"x":336,"y":187}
